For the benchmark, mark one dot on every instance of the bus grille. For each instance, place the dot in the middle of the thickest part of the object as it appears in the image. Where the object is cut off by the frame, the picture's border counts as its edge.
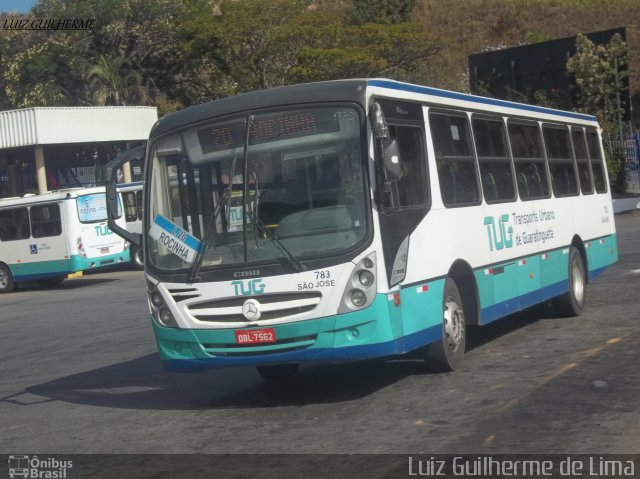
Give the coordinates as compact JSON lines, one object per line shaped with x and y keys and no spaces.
{"x":277,"y":305}
{"x":182,"y":294}
{"x":280,"y":346}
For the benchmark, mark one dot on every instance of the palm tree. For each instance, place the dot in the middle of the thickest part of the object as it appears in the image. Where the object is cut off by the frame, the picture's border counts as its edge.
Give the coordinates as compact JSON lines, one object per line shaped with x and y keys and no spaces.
{"x":115,"y":82}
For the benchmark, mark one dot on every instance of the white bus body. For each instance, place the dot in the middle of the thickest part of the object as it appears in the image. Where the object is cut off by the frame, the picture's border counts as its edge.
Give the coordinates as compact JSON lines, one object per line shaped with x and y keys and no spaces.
{"x":46,"y":237}
{"x":381,"y":218}
{"x":131,"y":194}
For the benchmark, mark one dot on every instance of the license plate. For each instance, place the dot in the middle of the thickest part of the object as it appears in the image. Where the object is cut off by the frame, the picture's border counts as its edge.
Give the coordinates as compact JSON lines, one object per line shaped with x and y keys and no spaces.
{"x":104,"y":250}
{"x":255,"y":336}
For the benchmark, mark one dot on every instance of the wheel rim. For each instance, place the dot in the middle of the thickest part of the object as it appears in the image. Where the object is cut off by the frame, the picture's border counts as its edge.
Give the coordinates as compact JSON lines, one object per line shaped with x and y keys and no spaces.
{"x":453,"y":323}
{"x":577,"y":281}
{"x":4,"y":279}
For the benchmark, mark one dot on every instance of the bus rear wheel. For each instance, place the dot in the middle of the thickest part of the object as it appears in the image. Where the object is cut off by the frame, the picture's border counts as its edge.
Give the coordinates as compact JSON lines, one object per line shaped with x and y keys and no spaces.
{"x":447,"y":353}
{"x":6,"y":279}
{"x":278,"y":372}
{"x":572,"y":302}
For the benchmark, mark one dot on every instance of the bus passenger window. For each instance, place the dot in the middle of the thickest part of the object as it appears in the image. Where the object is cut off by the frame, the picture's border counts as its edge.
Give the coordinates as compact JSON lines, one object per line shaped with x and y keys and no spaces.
{"x":561,"y":166}
{"x":14,"y":224}
{"x":596,"y":162}
{"x":456,"y":163}
{"x":496,"y":170}
{"x":130,"y":209}
{"x":139,"y":204}
{"x":582,"y":160}
{"x":412,"y":185}
{"x":528,"y":158}
{"x":45,"y":221}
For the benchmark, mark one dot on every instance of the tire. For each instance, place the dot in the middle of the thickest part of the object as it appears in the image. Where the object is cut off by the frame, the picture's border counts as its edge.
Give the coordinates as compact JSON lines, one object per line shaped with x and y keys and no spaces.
{"x":137,"y":257}
{"x":51,"y":282}
{"x":6,"y":279}
{"x":278,"y":372}
{"x":447,"y":353}
{"x":573,"y":301}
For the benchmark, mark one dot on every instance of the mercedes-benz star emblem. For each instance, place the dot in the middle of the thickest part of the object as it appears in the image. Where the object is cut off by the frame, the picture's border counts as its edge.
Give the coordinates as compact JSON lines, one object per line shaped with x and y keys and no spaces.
{"x":251,"y":310}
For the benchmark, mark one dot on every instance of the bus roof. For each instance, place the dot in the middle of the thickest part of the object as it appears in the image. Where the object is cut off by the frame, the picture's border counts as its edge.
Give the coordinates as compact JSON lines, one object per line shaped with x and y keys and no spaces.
{"x":479,"y":100}
{"x":353,"y":90}
{"x":57,"y":195}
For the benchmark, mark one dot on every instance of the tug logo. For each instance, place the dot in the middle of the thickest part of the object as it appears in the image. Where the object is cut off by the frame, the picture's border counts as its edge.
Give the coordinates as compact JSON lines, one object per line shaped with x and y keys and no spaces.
{"x":499,"y":236}
{"x":248,"y":287}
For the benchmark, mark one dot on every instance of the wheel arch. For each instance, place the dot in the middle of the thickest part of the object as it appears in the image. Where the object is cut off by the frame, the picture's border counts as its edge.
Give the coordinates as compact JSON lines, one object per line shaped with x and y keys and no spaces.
{"x":462,"y":273}
{"x":577,"y":243}
{"x":11,"y":280}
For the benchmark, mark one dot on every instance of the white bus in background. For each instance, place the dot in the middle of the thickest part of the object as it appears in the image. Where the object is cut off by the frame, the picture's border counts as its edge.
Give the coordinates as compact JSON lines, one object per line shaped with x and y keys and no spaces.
{"x":373,"y":218}
{"x":46,"y":237}
{"x":131,"y":194}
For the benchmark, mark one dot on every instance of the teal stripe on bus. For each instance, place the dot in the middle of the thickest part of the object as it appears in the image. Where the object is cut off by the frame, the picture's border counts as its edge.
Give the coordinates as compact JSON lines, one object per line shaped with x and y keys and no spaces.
{"x":41,"y":269}
{"x":507,"y":287}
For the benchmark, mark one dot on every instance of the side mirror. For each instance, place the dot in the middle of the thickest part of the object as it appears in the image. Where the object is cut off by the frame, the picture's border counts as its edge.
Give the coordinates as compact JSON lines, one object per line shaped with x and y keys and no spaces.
{"x":391,"y":159}
{"x":109,"y":173}
{"x":380,"y":127}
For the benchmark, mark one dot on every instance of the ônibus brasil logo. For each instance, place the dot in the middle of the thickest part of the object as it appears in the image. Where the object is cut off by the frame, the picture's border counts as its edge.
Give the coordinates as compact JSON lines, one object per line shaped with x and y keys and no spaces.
{"x":34,"y":467}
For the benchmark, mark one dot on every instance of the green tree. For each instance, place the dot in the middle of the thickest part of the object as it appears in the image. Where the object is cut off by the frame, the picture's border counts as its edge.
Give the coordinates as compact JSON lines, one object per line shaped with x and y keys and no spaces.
{"x":259,"y":44}
{"x":381,"y":11}
{"x":599,"y":72}
{"x":369,"y":50}
{"x":51,"y":67}
{"x":113,"y":81}
{"x":40,"y":69}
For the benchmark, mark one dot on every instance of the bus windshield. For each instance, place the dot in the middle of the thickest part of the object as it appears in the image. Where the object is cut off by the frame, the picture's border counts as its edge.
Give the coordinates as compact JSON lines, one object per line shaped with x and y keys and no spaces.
{"x":258,"y":189}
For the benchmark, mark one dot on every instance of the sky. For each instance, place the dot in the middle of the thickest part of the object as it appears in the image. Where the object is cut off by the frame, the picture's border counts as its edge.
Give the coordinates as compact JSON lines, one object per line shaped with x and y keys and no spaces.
{"x":20,"y":6}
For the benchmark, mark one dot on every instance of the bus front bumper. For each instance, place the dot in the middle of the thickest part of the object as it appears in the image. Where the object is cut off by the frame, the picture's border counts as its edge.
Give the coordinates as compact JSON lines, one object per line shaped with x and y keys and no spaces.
{"x":363,"y":334}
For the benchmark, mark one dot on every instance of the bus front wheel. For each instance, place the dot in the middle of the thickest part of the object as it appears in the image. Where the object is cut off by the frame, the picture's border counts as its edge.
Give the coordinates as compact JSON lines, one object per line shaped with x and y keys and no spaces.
{"x":447,"y":353}
{"x":6,"y":279}
{"x":572,"y":302}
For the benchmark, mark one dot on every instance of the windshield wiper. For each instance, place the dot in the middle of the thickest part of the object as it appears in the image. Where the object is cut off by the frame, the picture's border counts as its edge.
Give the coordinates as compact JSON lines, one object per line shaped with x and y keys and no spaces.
{"x":204,"y":244}
{"x":261,"y":228}
{"x":293,"y":261}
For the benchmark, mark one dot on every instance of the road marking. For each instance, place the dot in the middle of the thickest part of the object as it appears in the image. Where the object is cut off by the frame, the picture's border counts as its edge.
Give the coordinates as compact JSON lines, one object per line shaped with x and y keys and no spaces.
{"x":582,"y":357}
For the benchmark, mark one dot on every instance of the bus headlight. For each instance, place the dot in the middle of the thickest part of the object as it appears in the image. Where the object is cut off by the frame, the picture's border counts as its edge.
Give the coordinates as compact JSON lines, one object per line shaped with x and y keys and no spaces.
{"x":159,"y":309}
{"x":360,"y":290}
{"x":358,"y":298}
{"x":166,"y":318}
{"x":366,"y":277}
{"x":156,"y":299}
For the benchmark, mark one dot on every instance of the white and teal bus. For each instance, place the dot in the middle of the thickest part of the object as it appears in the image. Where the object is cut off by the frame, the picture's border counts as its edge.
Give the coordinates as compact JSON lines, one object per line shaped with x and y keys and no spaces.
{"x":46,"y":237}
{"x":353,"y":219}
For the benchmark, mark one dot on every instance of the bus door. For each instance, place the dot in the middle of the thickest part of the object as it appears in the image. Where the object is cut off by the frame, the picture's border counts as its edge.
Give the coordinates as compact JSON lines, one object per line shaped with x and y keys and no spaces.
{"x":404,"y":199}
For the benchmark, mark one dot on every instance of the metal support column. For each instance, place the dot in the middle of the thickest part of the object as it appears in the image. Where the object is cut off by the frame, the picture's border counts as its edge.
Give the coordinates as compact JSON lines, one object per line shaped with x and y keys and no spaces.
{"x":41,"y":172}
